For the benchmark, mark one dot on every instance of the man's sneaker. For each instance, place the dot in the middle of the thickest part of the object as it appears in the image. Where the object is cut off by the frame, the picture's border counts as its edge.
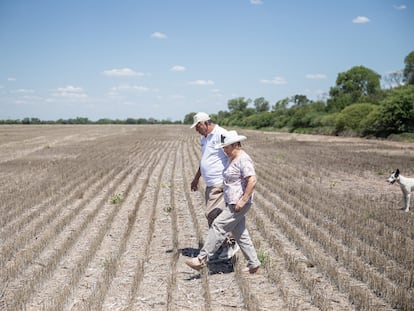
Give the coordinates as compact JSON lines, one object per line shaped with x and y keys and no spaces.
{"x":195,"y":263}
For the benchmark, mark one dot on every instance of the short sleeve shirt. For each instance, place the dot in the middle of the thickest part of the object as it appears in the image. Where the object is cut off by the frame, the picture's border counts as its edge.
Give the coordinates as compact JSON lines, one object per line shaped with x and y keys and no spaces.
{"x":213,"y":160}
{"x":235,"y":175}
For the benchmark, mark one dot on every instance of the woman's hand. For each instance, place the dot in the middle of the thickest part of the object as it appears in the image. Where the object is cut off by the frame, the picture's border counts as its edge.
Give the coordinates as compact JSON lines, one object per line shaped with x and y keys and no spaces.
{"x":251,"y":183}
{"x":240,"y":204}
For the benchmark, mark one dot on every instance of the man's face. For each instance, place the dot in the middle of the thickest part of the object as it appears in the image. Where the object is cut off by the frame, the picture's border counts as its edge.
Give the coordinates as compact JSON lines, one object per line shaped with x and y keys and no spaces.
{"x":202,"y":128}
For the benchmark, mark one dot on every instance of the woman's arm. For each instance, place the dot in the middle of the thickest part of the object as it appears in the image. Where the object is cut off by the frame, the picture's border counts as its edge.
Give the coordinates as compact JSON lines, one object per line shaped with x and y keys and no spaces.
{"x":251,"y":183}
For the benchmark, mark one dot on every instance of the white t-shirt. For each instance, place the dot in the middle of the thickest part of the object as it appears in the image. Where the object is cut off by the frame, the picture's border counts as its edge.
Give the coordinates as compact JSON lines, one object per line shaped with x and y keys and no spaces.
{"x":213,"y":160}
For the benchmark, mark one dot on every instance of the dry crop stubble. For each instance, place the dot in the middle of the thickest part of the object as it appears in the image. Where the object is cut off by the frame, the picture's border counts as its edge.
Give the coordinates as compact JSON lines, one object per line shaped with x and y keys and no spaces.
{"x":331,"y":229}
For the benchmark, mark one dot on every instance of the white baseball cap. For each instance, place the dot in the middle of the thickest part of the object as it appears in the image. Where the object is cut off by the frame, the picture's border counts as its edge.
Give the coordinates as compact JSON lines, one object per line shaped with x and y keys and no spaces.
{"x":230,"y":138}
{"x":200,"y":117}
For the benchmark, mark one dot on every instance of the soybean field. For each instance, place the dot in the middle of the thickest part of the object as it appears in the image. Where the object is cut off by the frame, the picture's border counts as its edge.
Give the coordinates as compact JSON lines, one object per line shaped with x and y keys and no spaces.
{"x":101,"y":217}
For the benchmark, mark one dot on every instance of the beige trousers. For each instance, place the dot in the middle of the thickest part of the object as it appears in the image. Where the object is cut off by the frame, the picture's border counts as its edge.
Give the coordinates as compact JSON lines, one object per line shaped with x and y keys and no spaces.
{"x":214,"y":197}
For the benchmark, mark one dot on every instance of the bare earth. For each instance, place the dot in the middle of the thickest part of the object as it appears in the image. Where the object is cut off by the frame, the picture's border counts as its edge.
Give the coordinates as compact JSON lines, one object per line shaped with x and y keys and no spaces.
{"x":328,"y":229}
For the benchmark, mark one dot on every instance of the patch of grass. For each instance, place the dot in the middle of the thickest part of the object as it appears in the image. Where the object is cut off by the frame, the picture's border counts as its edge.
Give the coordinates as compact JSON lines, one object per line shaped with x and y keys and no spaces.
{"x":105,"y":263}
{"x":263,"y":256}
{"x":381,"y":172}
{"x":116,"y":198}
{"x":280,"y":155}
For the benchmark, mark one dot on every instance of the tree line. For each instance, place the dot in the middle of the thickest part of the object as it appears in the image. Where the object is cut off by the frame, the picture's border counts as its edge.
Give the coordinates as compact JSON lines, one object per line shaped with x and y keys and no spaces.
{"x":83,"y":120}
{"x":357,"y":106}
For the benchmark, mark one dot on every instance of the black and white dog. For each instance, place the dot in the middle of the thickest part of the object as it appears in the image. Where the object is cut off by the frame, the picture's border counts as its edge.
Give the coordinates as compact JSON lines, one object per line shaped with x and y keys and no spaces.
{"x":406,"y":184}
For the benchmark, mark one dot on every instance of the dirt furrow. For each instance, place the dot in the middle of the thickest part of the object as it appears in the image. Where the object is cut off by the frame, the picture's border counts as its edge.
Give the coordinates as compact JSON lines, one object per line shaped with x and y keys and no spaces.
{"x":329,"y":202}
{"x":338,"y":274}
{"x":156,"y":254}
{"x":74,"y":258}
{"x":41,"y":231}
{"x":188,"y":288}
{"x":195,"y":204}
{"x":49,"y":223}
{"x":312,"y":288}
{"x":50,"y":257}
{"x":286,"y":292}
{"x":76,"y":164}
{"x":367,"y":253}
{"x":23,"y":218}
{"x":325,"y":208}
{"x":380,"y":277}
{"x":126,"y":282}
{"x":157,"y":272}
{"x":93,"y":286}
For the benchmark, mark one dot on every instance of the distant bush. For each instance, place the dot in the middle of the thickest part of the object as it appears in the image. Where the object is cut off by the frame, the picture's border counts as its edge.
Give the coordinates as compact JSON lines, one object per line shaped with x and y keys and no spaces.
{"x":351,"y":118}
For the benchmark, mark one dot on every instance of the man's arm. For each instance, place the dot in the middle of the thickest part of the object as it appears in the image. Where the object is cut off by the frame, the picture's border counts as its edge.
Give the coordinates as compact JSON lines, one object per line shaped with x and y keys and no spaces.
{"x":194,"y":183}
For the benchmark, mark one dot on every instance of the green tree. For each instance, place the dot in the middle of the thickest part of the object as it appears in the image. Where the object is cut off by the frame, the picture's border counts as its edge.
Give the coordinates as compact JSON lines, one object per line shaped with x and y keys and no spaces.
{"x":259,"y":120}
{"x":397,"y":112}
{"x":359,"y":84}
{"x":408,"y":72}
{"x":352,"y":117}
{"x":261,"y":105}
{"x":281,"y":104}
{"x":238,"y":104}
{"x":394,"y":79}
{"x":189,"y":117}
{"x":300,"y":100}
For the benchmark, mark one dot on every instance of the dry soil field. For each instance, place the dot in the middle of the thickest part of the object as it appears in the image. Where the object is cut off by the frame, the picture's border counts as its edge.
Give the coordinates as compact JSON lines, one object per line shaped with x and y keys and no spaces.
{"x":102,"y":218}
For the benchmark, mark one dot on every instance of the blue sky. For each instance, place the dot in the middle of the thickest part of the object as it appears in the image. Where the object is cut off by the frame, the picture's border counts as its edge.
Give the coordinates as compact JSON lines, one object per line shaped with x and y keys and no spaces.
{"x":163,"y":59}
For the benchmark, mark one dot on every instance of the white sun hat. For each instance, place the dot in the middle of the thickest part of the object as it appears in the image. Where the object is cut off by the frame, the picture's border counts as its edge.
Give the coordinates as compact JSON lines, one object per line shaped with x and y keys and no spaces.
{"x":200,"y":117}
{"x":230,"y":138}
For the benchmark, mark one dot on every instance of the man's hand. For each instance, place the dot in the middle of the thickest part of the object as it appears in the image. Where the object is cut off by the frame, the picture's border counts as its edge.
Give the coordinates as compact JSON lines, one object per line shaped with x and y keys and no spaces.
{"x":194,"y":185}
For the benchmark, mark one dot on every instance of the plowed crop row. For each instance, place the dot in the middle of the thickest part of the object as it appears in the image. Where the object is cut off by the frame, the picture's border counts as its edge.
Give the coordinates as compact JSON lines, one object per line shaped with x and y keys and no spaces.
{"x":102,"y":218}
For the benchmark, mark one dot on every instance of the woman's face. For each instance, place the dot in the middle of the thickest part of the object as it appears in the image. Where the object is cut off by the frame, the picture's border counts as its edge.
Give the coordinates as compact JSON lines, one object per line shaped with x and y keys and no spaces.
{"x":229,"y":150}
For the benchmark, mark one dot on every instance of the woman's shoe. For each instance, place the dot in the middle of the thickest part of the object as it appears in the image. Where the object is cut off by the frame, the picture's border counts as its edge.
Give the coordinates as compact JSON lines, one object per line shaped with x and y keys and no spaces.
{"x":251,"y":270}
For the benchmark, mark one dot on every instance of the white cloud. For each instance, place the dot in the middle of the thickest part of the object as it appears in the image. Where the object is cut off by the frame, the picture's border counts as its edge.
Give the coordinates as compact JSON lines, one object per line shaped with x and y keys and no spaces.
{"x":158,"y":35}
{"x":70,"y":92}
{"x":178,"y":68}
{"x":122,"y":72}
{"x":11,"y":79}
{"x":256,"y":2}
{"x":275,"y":81}
{"x":400,"y":7}
{"x":360,"y":20}
{"x":128,"y":87}
{"x":315,"y":76}
{"x":70,"y":89}
{"x":202,"y":82}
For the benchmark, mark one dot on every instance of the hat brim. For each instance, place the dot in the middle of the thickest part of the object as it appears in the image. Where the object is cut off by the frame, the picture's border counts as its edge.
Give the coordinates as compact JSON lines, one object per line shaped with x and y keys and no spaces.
{"x":237,"y":139}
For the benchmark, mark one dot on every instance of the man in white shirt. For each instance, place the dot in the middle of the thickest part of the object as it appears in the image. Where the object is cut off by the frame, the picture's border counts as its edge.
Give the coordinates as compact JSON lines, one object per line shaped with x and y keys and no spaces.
{"x":212,"y":164}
